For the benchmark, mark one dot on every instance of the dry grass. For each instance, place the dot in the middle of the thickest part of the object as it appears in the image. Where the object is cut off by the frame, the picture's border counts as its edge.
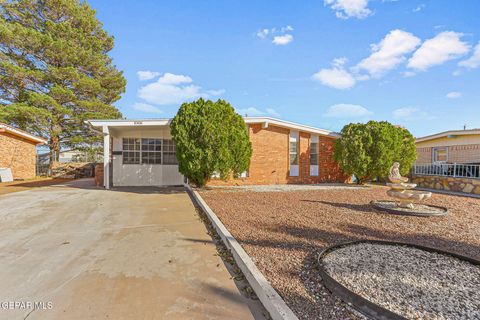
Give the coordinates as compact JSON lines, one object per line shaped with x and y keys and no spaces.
{"x":284,"y":231}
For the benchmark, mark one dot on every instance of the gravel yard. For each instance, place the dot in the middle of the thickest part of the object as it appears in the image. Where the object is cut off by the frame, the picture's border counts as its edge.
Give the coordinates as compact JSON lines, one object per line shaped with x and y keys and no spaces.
{"x":284,"y":232}
{"x":410,"y":282}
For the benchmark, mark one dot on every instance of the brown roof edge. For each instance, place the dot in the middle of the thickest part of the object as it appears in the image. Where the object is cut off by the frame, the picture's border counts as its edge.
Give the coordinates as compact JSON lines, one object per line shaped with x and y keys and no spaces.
{"x":21,"y":133}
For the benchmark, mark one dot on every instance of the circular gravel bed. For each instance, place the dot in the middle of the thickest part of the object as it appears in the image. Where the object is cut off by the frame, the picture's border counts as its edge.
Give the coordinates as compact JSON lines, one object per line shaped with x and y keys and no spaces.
{"x":410,"y":282}
{"x":418,"y":210}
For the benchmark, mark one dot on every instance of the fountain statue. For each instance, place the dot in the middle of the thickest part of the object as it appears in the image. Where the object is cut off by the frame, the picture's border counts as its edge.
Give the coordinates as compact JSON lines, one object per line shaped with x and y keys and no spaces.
{"x":401,"y":190}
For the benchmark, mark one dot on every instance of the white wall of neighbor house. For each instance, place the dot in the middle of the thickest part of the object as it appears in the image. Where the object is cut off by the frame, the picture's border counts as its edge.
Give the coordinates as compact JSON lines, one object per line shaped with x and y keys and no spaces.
{"x":142,"y":174}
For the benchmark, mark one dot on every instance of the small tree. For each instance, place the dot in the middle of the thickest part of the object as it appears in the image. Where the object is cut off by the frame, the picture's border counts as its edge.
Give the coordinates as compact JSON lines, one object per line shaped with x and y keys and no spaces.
{"x":368,"y":150}
{"x":210,"y":138}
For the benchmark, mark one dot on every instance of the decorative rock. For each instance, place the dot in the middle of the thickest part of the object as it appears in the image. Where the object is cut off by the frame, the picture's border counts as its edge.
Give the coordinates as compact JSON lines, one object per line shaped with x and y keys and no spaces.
{"x":413,"y":283}
{"x":465,"y":185}
{"x":477,"y":190}
{"x":468,"y":188}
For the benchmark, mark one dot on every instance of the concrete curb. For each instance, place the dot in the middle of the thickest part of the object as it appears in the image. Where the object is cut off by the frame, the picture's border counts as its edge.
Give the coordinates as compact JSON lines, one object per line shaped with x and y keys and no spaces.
{"x":270,"y":299}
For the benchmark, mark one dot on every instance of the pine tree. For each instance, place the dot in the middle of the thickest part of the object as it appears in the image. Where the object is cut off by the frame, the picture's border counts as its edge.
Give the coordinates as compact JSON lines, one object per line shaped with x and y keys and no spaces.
{"x":55,"y":71}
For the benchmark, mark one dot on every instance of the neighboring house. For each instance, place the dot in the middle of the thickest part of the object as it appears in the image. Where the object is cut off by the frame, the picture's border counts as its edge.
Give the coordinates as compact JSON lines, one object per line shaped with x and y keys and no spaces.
{"x":67,"y":156}
{"x":142,"y":153}
{"x":454,"y":146}
{"x":18,"y":151}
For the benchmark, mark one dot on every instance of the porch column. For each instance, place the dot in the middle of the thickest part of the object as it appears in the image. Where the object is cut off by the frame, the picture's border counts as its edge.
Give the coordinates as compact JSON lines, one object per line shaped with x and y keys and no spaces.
{"x":106,"y":157}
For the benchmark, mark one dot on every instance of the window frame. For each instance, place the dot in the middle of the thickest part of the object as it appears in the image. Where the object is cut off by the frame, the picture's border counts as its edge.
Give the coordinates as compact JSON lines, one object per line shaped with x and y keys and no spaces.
{"x":435,"y":155}
{"x":314,"y":153}
{"x":132,"y":151}
{"x":148,"y":151}
{"x":169,"y":149}
{"x":293,"y":166}
{"x":152,"y":151}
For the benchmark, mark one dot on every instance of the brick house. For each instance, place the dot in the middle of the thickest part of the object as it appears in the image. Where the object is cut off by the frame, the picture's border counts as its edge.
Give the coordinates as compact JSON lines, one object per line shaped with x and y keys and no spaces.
{"x":141,"y":153}
{"x":18,"y":151}
{"x":454,"y":146}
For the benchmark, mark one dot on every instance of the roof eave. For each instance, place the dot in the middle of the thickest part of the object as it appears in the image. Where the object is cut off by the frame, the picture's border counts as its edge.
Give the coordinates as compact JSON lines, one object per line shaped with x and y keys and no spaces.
{"x":23,"y":134}
{"x":446,"y":134}
{"x":97,"y":124}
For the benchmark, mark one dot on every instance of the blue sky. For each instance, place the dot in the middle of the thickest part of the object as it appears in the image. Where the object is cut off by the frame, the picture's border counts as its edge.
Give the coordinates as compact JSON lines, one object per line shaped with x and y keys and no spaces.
{"x":322,"y":63}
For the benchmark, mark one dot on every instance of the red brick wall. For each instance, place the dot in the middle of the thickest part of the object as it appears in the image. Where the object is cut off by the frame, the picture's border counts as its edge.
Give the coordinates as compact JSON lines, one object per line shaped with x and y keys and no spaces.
{"x":270,"y":159}
{"x":17,"y":154}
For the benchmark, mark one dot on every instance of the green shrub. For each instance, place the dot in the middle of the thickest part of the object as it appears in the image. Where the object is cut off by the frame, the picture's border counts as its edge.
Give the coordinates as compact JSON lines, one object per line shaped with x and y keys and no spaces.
{"x":210,"y":138}
{"x":369,"y":150}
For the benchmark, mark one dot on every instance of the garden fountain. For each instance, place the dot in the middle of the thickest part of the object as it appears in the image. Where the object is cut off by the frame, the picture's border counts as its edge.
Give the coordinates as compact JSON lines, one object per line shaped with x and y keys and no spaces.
{"x":405,"y":197}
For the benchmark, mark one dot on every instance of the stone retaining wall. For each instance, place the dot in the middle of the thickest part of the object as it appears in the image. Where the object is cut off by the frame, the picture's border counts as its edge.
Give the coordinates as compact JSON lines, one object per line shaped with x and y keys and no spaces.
{"x":448,"y":183}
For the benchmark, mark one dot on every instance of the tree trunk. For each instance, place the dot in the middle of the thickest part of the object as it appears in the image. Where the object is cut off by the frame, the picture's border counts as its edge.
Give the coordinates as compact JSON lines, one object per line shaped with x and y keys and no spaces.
{"x":54,"y":145}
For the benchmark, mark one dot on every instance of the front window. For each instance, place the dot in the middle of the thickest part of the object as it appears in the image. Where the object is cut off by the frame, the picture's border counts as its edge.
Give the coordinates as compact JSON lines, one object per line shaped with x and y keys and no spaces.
{"x":314,"y":153}
{"x":151,"y":151}
{"x":148,"y":151}
{"x":131,"y":150}
{"x":440,"y":154}
{"x":169,"y":152}
{"x":293,"y":153}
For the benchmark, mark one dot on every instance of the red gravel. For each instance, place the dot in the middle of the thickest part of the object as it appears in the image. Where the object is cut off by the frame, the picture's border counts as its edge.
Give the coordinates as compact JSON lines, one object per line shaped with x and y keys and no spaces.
{"x":284,"y":231}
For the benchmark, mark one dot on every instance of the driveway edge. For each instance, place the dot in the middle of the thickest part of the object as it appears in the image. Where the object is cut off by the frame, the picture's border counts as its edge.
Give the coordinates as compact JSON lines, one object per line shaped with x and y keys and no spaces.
{"x":270,"y":298}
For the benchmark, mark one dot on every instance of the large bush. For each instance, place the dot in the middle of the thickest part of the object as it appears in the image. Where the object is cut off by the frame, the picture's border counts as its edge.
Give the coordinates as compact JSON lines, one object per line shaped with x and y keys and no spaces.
{"x":369,"y":150}
{"x":210,"y":138}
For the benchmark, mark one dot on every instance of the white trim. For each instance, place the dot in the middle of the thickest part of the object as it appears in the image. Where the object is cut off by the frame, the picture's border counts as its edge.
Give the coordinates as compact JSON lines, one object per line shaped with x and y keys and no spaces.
{"x":22,"y":133}
{"x":106,"y":157}
{"x":265,"y":121}
{"x":294,"y":136}
{"x":314,"y":167}
{"x":448,"y":133}
{"x":129,"y":123}
{"x":270,"y":298}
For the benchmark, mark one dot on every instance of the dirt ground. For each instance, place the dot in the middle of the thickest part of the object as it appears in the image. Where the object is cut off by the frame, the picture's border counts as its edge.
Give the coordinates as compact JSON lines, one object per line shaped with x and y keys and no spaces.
{"x":15,"y":186}
{"x":284,"y":232}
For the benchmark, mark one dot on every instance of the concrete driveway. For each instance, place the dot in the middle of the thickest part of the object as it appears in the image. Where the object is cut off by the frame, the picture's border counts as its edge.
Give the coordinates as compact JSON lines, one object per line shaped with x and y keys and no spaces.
{"x":87,"y":253}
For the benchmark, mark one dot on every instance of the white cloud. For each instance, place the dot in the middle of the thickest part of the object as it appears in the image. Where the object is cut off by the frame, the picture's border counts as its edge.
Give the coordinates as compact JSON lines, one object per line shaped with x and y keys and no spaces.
{"x":344,"y":110}
{"x":404,"y":112}
{"x":251,"y":112}
{"x":345,"y":9}
{"x":419,"y":8}
{"x":282,"y":40}
{"x":336,"y":77}
{"x":173,"y":89}
{"x":272,"y":112}
{"x":254,"y":112}
{"x":215,"y":92}
{"x":389,"y":52}
{"x":454,"y":95}
{"x":280,"y":37}
{"x":408,"y":74}
{"x":263,"y":33}
{"x":411,"y":113}
{"x":147,"y":75}
{"x":474,"y":61}
{"x":144,"y":107}
{"x":172,"y":79}
{"x":443,"y":47}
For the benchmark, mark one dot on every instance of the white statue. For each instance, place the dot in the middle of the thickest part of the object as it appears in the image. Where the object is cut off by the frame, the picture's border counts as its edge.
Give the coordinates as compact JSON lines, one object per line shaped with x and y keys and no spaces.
{"x":394,"y":176}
